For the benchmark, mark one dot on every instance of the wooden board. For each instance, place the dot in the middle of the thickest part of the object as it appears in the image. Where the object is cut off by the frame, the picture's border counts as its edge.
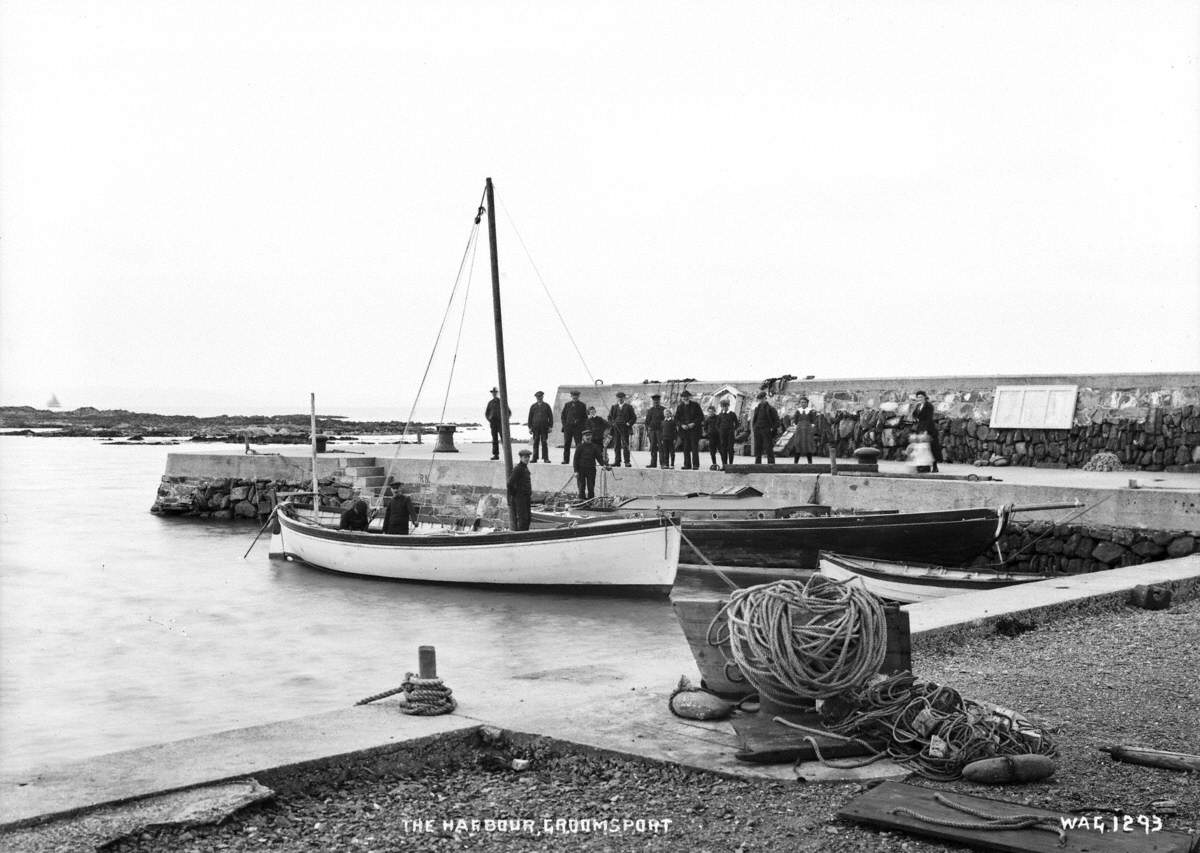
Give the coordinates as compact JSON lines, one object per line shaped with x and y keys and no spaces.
{"x":765,"y":741}
{"x":695,"y":615}
{"x":876,"y":807}
{"x":789,"y":468}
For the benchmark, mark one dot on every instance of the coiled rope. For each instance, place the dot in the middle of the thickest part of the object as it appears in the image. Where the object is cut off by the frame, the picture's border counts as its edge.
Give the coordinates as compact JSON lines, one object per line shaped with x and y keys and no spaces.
{"x":928,"y":728}
{"x":797,"y":642}
{"x":426,"y":697}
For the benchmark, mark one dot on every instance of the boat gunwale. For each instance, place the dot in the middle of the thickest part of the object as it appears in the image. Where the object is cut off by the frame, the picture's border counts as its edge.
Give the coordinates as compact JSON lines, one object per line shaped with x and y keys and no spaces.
{"x":990,"y":579}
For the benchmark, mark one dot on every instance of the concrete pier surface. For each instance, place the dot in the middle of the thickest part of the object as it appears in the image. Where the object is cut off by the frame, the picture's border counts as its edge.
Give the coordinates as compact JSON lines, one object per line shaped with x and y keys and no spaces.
{"x":617,"y":704}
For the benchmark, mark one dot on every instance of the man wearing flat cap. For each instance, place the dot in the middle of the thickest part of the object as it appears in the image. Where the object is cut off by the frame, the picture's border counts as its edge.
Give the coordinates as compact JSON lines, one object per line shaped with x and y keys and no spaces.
{"x":689,"y":417}
{"x":621,"y":417}
{"x":654,"y":422}
{"x":495,"y":421}
{"x":541,"y":418}
{"x":764,"y":422}
{"x":574,"y":413}
{"x":520,"y":490}
{"x":587,"y":457}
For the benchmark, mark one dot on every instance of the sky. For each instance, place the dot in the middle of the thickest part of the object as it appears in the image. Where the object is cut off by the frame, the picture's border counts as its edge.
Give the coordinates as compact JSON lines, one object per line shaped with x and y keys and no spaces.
{"x":226,"y":206}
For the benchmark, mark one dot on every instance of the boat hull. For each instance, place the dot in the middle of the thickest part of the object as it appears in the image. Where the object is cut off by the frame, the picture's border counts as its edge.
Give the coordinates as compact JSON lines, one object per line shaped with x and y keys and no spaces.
{"x":625,"y":555}
{"x":910,"y":583}
{"x":947,"y":537}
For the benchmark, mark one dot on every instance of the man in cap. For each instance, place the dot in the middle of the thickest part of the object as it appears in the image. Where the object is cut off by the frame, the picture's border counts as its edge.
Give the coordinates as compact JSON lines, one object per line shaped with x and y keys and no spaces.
{"x":574,"y":413}
{"x":654,"y":422}
{"x":541,"y":418}
{"x":764,"y":422}
{"x":589,"y":454}
{"x":400,"y":511}
{"x":595,"y":424}
{"x":689,"y":418}
{"x":520,"y":490}
{"x":495,"y":421}
{"x":727,"y":424}
{"x":621,"y":417}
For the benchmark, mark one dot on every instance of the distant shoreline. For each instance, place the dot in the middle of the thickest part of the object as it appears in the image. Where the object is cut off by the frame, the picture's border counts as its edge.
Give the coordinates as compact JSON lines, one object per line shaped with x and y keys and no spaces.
{"x":115,"y":423}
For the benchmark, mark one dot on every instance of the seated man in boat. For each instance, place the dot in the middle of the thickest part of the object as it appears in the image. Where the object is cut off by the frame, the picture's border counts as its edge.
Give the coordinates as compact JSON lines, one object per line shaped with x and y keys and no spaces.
{"x":520,"y":490}
{"x":587,"y":456}
{"x":356,"y":517}
{"x":400,"y":512}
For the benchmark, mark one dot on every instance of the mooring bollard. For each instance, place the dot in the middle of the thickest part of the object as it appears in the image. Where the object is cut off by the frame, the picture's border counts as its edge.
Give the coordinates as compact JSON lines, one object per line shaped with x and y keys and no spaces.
{"x":427,"y":661}
{"x":445,"y":439}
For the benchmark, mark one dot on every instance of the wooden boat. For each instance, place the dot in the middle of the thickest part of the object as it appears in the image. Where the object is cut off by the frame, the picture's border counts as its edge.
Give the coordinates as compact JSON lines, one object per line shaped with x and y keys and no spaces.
{"x":912,"y":582}
{"x":621,"y":555}
{"x":791,"y":535}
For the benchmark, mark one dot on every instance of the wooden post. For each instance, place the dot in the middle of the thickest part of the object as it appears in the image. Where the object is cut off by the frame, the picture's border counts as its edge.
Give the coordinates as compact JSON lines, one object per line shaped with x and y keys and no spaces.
{"x":502,"y":384}
{"x":316,"y":497}
{"x":427,"y":661}
{"x":833,"y":459}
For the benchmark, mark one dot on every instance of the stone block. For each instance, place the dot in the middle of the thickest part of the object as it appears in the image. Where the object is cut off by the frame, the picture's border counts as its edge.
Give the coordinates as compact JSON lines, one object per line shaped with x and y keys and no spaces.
{"x":245,"y":509}
{"x":1108,"y":552}
{"x":1146,"y":548}
{"x":238,"y":493}
{"x":1181,"y":547}
{"x":1123,"y":536}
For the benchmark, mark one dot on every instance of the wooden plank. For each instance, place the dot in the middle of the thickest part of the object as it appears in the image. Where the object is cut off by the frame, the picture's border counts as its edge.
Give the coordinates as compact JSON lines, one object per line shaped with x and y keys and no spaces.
{"x":765,"y":741}
{"x":899,"y":642}
{"x":877,"y":807}
{"x":695,"y":615}
{"x":788,"y":468}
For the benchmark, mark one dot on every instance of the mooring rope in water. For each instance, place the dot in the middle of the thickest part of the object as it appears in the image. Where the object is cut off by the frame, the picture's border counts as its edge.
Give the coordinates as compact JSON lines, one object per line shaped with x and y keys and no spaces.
{"x":427,"y":697}
{"x":803,"y":641}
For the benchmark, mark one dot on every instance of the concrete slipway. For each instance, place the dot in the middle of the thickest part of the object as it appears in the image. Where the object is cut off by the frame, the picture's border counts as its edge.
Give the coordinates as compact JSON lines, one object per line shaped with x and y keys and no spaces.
{"x":617,"y":705}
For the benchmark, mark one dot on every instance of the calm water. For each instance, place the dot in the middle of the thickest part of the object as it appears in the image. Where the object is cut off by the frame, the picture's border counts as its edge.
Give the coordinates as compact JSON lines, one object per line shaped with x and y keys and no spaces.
{"x":119,"y":628}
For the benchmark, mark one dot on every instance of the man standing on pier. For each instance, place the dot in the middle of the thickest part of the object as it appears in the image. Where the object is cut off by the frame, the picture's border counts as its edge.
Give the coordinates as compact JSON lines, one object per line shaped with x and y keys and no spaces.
{"x":654,"y":422}
{"x":574,"y":413}
{"x":520,"y":491}
{"x":493,"y":415}
{"x":541,"y":418}
{"x":587,"y":457}
{"x":727,"y":424}
{"x":765,"y":423}
{"x":689,"y":417}
{"x":622,"y":417}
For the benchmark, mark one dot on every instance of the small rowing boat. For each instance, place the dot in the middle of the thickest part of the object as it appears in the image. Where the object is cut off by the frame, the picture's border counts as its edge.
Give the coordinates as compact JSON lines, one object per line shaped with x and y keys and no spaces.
{"x":912,"y":582}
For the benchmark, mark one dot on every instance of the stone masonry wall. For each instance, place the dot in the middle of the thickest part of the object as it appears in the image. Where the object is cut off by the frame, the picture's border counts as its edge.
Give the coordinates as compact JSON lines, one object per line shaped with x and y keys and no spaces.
{"x":1043,"y":547}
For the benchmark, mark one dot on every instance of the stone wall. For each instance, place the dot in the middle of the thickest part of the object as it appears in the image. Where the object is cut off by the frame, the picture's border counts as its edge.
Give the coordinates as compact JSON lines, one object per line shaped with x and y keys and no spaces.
{"x":1149,"y":421}
{"x":1043,"y":547}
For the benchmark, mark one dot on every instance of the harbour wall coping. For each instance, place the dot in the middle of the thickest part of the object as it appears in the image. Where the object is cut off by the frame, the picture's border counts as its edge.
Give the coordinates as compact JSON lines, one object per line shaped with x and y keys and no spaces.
{"x":1151,"y":509}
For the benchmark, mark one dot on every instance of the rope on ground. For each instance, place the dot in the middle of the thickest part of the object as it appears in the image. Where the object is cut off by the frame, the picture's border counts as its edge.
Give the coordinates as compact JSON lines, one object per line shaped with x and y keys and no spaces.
{"x":989,"y":821}
{"x":797,"y":642}
{"x":427,"y":697}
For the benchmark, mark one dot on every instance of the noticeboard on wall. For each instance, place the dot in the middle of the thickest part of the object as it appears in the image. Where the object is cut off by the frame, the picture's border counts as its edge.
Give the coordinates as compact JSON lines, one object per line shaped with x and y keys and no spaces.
{"x":1034,"y":406}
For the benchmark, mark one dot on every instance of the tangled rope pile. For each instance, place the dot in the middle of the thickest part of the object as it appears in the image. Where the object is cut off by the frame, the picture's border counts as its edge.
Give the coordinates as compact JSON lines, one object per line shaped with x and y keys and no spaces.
{"x":928,"y":728}
{"x":1104,"y":461}
{"x":426,"y":697}
{"x":796,"y":642}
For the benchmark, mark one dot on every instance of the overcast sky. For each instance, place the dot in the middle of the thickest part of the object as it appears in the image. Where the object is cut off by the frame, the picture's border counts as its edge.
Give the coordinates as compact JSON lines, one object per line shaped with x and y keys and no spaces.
{"x":232,"y":204}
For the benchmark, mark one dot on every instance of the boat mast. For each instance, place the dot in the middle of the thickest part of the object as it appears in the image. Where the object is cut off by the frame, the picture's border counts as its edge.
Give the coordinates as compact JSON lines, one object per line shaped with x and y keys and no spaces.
{"x":312,"y":398}
{"x":502,"y":384}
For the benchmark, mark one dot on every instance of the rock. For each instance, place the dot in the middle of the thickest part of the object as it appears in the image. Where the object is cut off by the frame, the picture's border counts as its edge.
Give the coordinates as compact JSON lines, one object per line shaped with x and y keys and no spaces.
{"x":1108,"y":552}
{"x":245,"y":509}
{"x":1123,"y":536}
{"x":223,"y":514}
{"x":1181,"y":547}
{"x":238,"y":493}
{"x":1147,"y":548}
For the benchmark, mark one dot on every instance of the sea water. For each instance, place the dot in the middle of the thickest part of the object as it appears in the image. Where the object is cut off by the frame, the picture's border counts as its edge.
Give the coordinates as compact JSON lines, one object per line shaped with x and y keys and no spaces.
{"x":120,"y":628}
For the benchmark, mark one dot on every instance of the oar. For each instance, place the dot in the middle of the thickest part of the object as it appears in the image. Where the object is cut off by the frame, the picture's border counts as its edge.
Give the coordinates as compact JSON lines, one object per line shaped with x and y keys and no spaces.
{"x":270,"y":518}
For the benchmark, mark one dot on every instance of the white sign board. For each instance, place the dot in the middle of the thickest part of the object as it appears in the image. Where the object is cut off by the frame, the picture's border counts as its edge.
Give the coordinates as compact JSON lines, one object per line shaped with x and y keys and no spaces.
{"x":1034,"y":406}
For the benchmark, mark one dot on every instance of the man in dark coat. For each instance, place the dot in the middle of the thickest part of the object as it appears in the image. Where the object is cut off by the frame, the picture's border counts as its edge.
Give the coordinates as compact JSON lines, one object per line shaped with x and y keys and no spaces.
{"x":355,"y":518}
{"x":400,"y":512}
{"x":541,"y":418}
{"x":621,"y":417}
{"x":727,"y":425}
{"x":654,"y":422}
{"x":666,"y":442}
{"x":689,"y":420}
{"x":574,"y":413}
{"x":520,"y":490}
{"x":495,"y":420}
{"x":587,"y":457}
{"x":922,"y":415}
{"x":765,"y":423}
{"x":596,"y":425}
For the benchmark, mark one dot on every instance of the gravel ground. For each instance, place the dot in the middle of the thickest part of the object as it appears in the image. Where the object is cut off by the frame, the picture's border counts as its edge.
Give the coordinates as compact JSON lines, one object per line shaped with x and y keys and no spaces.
{"x":1127,"y":676}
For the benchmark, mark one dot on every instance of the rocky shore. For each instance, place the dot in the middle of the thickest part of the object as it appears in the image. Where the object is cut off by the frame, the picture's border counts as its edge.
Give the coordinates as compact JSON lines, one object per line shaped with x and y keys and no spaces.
{"x":256,"y":429}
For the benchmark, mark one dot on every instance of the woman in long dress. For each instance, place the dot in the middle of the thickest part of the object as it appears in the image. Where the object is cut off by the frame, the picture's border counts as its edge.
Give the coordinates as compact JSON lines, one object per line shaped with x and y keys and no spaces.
{"x":805,"y":440}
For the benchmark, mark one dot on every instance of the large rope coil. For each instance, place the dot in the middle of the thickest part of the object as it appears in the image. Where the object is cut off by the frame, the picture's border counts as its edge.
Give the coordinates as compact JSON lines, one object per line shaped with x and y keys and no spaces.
{"x":798,"y":641}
